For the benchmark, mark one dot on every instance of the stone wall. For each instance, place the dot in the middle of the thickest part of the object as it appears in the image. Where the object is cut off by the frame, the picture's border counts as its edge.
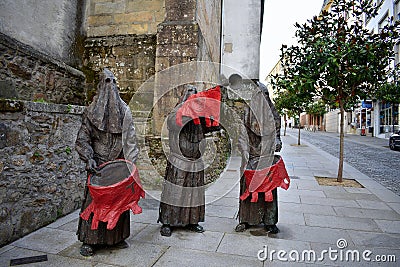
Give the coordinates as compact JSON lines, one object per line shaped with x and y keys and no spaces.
{"x":41,"y":175}
{"x":123,"y":17}
{"x":130,"y":57}
{"x":189,"y":33}
{"x":138,"y":38}
{"x":49,"y":26}
{"x":208,"y":16}
{"x":30,"y":75}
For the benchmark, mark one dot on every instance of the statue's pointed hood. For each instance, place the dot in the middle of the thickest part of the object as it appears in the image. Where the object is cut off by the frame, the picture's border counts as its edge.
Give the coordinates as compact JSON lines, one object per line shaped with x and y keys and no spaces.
{"x":107,"y":110}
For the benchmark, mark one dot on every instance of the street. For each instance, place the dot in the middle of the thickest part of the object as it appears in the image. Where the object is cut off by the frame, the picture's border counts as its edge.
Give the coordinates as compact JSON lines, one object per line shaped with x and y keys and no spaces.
{"x":369,"y":155}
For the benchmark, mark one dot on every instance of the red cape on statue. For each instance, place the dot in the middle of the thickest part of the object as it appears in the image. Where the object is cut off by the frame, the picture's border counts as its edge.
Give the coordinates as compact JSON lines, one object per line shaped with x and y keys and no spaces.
{"x":267,"y":180}
{"x":109,"y":202}
{"x":203,"y":104}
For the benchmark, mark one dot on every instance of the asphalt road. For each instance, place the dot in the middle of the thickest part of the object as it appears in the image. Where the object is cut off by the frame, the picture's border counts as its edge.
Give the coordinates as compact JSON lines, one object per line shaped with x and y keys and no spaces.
{"x":369,"y":155}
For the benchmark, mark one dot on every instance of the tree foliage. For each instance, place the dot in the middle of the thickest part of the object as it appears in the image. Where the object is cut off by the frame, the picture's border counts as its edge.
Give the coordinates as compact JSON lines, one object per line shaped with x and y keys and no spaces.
{"x":337,"y":59}
{"x":389,"y":91}
{"x":317,"y":108}
{"x":291,"y":102}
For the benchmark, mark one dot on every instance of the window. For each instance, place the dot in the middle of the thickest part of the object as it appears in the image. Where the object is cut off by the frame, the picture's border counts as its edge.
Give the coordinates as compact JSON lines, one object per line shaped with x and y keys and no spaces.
{"x":389,"y":117}
{"x":397,"y":10}
{"x":384,"y":21}
{"x":385,"y":117}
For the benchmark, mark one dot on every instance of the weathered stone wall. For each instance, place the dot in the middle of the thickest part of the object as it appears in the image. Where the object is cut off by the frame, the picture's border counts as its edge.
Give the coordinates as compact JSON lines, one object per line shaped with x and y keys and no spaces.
{"x":49,"y":26}
{"x":177,"y":43}
{"x":153,"y":165}
{"x":130,"y":57}
{"x":208,"y":17}
{"x":190,"y":32}
{"x":122,"y":37}
{"x":122,"y":17}
{"x":27,"y":74}
{"x":41,"y":175}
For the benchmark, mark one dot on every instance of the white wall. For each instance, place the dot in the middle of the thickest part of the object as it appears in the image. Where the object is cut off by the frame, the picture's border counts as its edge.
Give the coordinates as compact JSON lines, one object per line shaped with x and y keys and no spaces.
{"x":241,"y":37}
{"x":332,"y":121}
{"x":46,"y":25}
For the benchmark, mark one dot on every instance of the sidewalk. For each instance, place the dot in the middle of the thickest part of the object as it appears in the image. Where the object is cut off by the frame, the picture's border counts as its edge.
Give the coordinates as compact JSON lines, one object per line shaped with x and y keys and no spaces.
{"x":312,"y":218}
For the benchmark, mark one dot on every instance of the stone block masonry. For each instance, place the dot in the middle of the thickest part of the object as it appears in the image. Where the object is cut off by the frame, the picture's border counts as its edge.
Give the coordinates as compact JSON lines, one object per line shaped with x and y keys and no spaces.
{"x":130,"y":57}
{"x":41,"y":175}
{"x":27,"y":74}
{"x":121,"y":17}
{"x":190,"y":32}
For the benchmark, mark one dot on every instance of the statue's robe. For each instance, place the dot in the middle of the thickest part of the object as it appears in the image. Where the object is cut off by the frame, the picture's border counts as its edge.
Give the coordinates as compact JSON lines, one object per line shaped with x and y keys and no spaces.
{"x":257,"y":143}
{"x":107,"y":133}
{"x":183,"y":194}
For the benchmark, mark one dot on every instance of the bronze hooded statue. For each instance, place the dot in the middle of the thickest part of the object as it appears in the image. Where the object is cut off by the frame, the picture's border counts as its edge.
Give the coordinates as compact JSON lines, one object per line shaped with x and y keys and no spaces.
{"x":107,"y":133}
{"x":183,"y":194}
{"x":258,"y":141}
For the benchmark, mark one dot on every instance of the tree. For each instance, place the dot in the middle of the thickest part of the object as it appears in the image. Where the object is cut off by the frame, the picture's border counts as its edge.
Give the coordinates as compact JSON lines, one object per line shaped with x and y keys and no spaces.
{"x":345,"y":61}
{"x":290,"y":96}
{"x":317,"y":108}
{"x":294,"y":86}
{"x":389,"y":91}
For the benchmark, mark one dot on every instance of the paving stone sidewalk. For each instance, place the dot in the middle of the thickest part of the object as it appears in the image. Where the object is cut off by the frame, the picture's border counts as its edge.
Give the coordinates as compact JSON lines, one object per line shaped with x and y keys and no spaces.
{"x":335,"y":223}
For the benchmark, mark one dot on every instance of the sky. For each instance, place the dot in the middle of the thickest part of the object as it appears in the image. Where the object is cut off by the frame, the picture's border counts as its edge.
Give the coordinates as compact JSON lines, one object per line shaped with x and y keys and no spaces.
{"x":279,"y":19}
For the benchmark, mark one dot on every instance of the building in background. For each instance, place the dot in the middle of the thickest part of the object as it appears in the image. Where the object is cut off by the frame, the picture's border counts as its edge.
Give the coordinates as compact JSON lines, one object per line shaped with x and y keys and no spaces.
{"x":370,"y":116}
{"x":241,"y":39}
{"x":383,"y":116}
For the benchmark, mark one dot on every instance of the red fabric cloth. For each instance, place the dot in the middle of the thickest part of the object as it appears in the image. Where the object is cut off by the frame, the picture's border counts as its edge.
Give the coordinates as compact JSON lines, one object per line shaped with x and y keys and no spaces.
{"x":203,"y":104}
{"x":265,"y":180}
{"x":109,"y":202}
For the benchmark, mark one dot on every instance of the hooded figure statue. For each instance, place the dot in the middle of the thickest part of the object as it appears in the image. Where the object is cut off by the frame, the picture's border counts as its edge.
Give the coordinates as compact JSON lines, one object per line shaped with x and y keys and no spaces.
{"x":258,"y":140}
{"x":183,"y":195}
{"x":107,"y":133}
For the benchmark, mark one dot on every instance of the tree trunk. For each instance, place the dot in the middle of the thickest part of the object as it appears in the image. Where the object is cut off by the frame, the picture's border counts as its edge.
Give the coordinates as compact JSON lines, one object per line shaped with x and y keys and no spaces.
{"x":314,"y":121}
{"x":341,"y":143}
{"x":320,"y":122}
{"x":285,"y":118}
{"x":298,"y":137}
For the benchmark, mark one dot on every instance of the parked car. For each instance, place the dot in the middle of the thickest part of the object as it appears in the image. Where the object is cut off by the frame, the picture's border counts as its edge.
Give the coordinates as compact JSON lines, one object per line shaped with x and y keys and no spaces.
{"x":394,"y":141}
